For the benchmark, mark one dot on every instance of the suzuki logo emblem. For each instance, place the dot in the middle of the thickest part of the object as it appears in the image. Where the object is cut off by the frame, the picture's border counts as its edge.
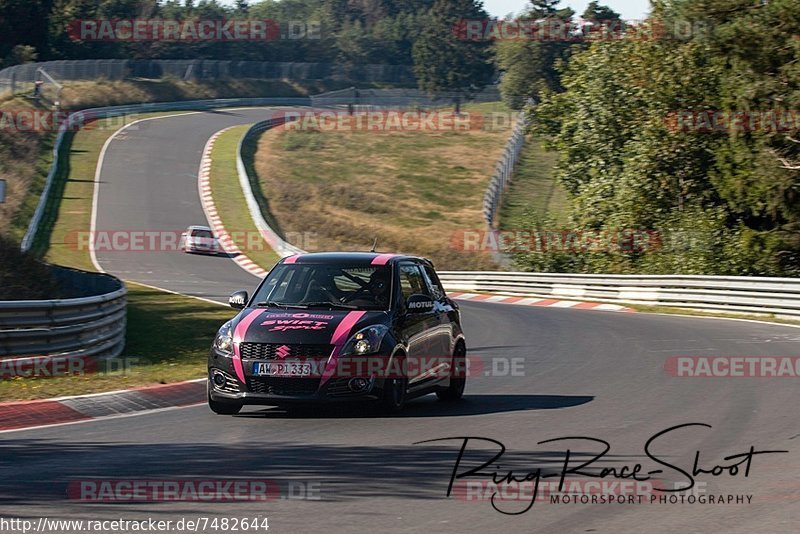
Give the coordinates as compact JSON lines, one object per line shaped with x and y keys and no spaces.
{"x":283,"y":351}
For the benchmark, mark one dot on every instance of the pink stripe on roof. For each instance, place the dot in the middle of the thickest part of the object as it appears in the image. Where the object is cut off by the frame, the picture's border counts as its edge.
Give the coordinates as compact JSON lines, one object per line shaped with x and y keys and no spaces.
{"x":382,"y":259}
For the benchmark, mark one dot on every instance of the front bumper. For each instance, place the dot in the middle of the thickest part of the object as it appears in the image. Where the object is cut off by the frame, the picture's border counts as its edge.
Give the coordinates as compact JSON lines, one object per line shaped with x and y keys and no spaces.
{"x":285,"y":390}
{"x":201,"y":249}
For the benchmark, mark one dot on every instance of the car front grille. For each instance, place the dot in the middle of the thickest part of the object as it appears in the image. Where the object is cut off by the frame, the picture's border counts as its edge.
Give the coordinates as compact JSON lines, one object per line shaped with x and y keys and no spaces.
{"x":272,"y":351}
{"x":290,"y":386}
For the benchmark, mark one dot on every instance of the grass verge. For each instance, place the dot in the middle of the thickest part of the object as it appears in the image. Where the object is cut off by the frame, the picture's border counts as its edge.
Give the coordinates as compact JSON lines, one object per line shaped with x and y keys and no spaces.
{"x":167,"y":341}
{"x":534,"y":191}
{"x":413,"y":190}
{"x":230,"y":202}
{"x":668,"y":310}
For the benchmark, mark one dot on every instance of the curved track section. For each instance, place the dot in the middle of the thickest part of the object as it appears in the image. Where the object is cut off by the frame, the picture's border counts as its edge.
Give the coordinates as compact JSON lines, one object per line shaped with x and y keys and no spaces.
{"x":577,"y":373}
{"x":148,"y":183}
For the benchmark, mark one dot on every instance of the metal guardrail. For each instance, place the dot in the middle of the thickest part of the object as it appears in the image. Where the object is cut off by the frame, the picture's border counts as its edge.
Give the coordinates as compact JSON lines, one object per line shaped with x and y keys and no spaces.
{"x":762,"y":295}
{"x":278,"y":244}
{"x":83,"y":327}
{"x":83,"y":116}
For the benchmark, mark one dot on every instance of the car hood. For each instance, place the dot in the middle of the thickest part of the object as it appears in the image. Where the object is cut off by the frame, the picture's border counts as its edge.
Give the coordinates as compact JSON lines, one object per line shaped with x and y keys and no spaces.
{"x":296,"y":326}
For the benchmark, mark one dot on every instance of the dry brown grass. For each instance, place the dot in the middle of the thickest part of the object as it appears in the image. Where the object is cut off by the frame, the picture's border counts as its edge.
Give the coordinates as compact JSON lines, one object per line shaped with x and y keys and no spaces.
{"x":411,"y":190}
{"x":78,"y":95}
{"x":24,"y":162}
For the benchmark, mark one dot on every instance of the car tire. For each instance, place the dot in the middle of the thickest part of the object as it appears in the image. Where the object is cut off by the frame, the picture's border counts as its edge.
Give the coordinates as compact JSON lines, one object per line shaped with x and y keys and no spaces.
{"x":455,"y":391}
{"x":395,"y":392}
{"x":224,"y":408}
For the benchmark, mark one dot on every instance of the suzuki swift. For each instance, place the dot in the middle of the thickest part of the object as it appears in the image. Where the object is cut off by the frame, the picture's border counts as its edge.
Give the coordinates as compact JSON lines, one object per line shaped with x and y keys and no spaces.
{"x":330,"y":327}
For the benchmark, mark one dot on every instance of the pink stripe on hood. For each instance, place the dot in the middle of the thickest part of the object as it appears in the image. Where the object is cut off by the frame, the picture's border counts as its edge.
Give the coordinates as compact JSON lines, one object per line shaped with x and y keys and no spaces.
{"x":382,"y":259}
{"x":339,"y":338}
{"x":238,"y":335}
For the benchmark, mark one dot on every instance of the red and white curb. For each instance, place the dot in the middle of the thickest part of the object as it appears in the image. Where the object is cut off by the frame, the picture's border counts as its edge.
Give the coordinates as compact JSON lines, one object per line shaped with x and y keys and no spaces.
{"x":82,"y":408}
{"x":207,"y":201}
{"x":531,"y":301}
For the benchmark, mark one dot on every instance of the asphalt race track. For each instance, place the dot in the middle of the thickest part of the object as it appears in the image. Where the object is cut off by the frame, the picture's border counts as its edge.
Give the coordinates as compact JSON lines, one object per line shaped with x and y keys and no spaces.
{"x":578,"y":373}
{"x":148,"y":182}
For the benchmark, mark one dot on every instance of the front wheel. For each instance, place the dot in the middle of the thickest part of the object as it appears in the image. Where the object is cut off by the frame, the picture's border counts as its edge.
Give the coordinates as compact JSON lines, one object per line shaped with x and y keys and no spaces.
{"x":458,"y":379}
{"x":394,"y":394}
{"x":224,"y":408}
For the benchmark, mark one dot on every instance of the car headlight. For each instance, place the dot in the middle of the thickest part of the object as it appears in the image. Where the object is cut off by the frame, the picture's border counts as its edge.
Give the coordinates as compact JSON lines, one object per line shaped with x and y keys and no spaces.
{"x":224,"y":342}
{"x":365,"y":341}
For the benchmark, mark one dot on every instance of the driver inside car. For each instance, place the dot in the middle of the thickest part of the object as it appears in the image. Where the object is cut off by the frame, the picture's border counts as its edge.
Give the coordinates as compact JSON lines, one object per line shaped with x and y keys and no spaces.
{"x":321,"y":289}
{"x":378,"y":287}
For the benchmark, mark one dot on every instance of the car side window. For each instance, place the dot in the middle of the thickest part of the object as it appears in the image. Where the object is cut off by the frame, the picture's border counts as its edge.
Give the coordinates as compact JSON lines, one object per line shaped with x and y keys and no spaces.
{"x":433,"y":282}
{"x":411,"y":281}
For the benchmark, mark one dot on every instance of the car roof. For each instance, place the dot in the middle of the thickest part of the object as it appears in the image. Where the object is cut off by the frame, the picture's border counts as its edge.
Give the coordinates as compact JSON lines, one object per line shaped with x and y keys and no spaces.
{"x":351,"y":258}
{"x":196,"y":227}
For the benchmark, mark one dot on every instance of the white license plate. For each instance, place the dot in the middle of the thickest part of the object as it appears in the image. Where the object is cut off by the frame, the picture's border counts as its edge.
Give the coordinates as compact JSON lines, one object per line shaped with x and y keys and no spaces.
{"x":281,"y":369}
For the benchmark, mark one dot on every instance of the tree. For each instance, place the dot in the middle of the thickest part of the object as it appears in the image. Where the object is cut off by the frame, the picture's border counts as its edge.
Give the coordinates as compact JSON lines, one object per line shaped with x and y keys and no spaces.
{"x":21,"y":24}
{"x":446,"y":62}
{"x":530,"y":65}
{"x":21,"y":54}
{"x":634,"y":155}
{"x":241,"y":7}
{"x":594,"y":11}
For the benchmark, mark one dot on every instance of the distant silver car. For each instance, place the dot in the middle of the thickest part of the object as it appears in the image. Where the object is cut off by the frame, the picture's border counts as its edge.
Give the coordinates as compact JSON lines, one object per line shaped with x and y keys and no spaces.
{"x":201,"y":239}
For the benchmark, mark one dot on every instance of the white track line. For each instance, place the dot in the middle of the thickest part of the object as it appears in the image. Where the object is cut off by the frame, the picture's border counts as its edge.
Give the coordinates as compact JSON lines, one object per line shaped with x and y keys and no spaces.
{"x":103,"y":418}
{"x":97,"y":172}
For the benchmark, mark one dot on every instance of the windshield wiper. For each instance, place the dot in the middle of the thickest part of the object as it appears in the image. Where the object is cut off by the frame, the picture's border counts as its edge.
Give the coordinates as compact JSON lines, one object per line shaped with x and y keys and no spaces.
{"x":329,"y":305}
{"x":273,"y":304}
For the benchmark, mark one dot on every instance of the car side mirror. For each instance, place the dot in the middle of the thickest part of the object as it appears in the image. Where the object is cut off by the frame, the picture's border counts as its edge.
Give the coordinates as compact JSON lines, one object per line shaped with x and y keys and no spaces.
{"x":238,"y":300}
{"x":419,"y":303}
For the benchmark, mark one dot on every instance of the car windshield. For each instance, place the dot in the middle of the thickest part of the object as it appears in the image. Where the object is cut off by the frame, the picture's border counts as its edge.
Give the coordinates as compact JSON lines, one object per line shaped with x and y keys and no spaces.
{"x":201,"y":233}
{"x":327,"y":286}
